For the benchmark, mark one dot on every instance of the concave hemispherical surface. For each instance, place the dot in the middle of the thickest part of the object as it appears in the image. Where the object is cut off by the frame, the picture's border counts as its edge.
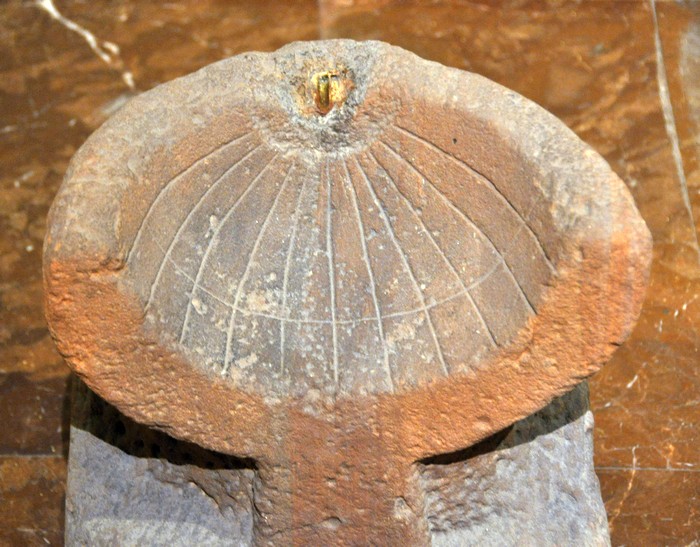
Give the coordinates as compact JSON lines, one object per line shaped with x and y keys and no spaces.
{"x":341,"y":232}
{"x":354,"y":250}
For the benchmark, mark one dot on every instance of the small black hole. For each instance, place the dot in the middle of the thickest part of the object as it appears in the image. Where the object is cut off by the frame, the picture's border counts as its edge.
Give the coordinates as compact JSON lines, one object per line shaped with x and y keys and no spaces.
{"x":454,"y":140}
{"x":119,"y":428}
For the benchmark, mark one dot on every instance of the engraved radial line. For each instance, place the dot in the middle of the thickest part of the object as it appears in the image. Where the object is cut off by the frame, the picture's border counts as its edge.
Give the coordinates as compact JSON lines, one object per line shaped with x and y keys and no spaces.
{"x":331,"y":271}
{"x":439,"y":250}
{"x":365,"y":256}
{"x":287,"y":266}
{"x":404,"y":259}
{"x":466,"y":219}
{"x":166,"y":257}
{"x":174,"y":179}
{"x":488,"y":182}
{"x":246,"y":272}
{"x":200,"y":271}
{"x":340,"y":321}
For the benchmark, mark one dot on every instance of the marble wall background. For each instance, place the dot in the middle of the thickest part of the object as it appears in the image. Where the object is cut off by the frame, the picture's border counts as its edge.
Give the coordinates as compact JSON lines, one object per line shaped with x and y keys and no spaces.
{"x":623,"y":74}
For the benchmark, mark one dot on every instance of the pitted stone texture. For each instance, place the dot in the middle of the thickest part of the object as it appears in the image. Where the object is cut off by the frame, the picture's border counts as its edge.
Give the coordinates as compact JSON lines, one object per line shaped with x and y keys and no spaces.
{"x":339,"y":295}
{"x":532,"y":484}
{"x":396,"y":240}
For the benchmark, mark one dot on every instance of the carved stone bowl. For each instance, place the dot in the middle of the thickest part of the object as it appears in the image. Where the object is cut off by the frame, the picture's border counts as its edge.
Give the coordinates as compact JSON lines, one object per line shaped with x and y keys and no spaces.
{"x":339,"y":259}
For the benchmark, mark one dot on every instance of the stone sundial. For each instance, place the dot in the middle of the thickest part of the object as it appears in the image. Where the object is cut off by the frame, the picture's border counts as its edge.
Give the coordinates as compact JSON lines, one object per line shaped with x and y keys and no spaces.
{"x":338,"y":260}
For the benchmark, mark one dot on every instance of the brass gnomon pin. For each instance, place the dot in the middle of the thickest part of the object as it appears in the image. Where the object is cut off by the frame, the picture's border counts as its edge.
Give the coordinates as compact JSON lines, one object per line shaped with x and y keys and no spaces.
{"x":330,"y":89}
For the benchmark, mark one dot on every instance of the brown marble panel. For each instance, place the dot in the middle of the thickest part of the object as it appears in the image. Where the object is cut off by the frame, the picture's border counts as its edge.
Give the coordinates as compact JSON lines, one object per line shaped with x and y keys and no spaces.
{"x":34,"y":414}
{"x":31,"y":497}
{"x":595,"y":64}
{"x":648,"y":506}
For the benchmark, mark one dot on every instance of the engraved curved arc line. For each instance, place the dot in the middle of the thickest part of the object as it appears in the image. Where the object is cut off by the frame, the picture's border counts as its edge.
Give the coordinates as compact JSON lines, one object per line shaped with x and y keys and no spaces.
{"x":465,"y":218}
{"x":173,"y":180}
{"x":404,"y":313}
{"x":331,"y":270}
{"x":287,"y":267}
{"x":488,"y":182}
{"x":246,"y":272}
{"x":210,"y":245}
{"x":404,"y":259}
{"x":442,"y":253}
{"x":191,"y":212}
{"x":370,"y":273}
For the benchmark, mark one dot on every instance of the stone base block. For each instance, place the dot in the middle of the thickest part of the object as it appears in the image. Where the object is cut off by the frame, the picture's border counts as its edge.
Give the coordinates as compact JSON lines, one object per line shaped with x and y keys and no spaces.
{"x":531,"y":484}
